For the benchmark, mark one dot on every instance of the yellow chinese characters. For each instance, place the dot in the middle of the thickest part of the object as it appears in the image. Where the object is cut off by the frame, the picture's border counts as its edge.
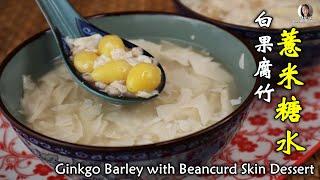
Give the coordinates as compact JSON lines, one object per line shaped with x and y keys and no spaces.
{"x":289,"y":110}
{"x":288,"y":143}
{"x":288,"y":76}
{"x":289,"y":41}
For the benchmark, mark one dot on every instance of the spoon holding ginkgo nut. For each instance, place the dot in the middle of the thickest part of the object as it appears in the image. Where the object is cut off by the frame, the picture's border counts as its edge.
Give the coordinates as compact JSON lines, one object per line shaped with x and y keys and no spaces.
{"x":104,"y":64}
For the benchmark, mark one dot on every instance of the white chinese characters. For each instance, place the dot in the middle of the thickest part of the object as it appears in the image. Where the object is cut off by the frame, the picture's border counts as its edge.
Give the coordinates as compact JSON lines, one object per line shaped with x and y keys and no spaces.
{"x":263,"y":20}
{"x":267,"y":90}
{"x":264,"y":68}
{"x":264,"y":44}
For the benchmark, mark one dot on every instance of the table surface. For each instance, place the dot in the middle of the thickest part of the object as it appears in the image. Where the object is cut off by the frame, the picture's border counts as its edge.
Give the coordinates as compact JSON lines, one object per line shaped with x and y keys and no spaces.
{"x":19,"y":20}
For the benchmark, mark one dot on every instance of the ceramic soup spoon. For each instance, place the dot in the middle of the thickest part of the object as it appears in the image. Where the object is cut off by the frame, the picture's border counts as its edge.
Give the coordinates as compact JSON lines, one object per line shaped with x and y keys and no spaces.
{"x":65,"y":22}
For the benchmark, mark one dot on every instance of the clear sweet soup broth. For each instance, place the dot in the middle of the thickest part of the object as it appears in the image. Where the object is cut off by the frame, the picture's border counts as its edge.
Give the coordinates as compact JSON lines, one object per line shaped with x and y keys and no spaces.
{"x":197,"y":95}
{"x":243,"y":12}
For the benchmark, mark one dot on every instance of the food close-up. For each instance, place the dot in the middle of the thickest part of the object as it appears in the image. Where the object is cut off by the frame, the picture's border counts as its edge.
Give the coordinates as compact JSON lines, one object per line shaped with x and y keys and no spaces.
{"x":177,"y":89}
{"x":112,"y":68}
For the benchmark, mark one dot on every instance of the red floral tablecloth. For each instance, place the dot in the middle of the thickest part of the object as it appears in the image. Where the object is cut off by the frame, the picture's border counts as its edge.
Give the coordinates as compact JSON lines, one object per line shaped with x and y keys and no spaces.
{"x":255,"y":142}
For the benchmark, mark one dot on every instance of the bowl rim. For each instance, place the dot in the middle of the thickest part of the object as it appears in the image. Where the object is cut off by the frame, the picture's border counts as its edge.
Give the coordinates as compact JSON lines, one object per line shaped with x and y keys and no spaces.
{"x":192,"y":13}
{"x":136,"y":148}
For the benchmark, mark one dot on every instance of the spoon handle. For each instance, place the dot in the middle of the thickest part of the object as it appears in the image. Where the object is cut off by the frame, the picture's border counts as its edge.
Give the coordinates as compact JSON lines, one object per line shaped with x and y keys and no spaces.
{"x":61,"y":16}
